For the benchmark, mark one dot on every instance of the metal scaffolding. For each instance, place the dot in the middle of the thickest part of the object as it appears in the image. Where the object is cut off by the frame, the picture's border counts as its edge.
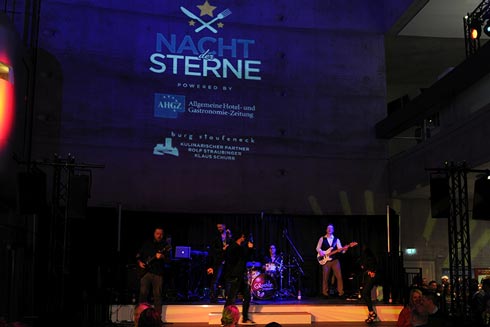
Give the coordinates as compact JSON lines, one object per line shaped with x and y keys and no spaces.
{"x":59,"y":242}
{"x":475,"y":19}
{"x":459,"y":237}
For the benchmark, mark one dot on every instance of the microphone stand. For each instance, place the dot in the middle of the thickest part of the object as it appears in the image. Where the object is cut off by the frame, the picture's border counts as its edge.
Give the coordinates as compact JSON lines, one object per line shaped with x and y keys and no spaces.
{"x":298,"y":255}
{"x":295,"y":259}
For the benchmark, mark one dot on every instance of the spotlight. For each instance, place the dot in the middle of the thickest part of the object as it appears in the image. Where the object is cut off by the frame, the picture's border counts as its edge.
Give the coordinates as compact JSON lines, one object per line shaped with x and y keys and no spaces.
{"x":474,"y":26}
{"x":486,"y":28}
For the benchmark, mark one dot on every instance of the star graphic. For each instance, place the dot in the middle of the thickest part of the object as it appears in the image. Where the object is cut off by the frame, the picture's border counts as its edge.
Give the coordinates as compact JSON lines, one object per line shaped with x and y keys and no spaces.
{"x":206,"y":9}
{"x":192,"y":23}
{"x":220,"y":25}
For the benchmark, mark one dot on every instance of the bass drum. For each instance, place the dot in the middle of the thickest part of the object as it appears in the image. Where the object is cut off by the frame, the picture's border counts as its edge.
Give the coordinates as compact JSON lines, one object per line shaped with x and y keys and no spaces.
{"x":264,"y":287}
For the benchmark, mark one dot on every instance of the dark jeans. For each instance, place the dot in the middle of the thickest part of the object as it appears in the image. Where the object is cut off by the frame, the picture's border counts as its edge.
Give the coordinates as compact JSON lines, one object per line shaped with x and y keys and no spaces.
{"x":235,"y":285}
{"x":366,"y":291}
{"x":215,"y":279}
{"x":154,"y":283}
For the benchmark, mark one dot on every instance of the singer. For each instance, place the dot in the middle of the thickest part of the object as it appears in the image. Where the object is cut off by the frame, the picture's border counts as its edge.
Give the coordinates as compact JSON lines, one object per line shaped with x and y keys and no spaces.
{"x":236,"y":257}
{"x":216,"y":260}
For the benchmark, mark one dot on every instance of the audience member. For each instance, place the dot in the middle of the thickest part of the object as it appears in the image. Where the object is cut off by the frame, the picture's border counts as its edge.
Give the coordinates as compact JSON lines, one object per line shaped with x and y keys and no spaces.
{"x":230,"y":316}
{"x":413,"y":314}
{"x":480,"y":304}
{"x":140,"y":307}
{"x":150,"y":317}
{"x":437,"y":288}
{"x":436,"y":317}
{"x":433,"y":286}
{"x":486,"y":314}
{"x":273,"y":324}
{"x":445,"y":294}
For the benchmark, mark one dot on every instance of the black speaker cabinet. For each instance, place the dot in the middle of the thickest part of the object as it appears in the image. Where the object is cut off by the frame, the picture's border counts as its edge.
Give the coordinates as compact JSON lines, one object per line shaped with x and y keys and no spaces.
{"x":481,"y":199}
{"x":439,"y":196}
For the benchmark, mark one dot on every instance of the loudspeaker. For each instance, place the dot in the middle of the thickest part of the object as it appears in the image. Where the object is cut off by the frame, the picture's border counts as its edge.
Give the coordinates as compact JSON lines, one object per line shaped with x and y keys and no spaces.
{"x":78,"y":196}
{"x":481,"y":199}
{"x":31,"y":192}
{"x":439,"y":196}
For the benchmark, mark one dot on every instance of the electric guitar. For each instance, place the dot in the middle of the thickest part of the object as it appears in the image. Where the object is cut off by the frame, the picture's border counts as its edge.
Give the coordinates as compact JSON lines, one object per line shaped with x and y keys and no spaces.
{"x":329,"y":253}
{"x":150,"y":260}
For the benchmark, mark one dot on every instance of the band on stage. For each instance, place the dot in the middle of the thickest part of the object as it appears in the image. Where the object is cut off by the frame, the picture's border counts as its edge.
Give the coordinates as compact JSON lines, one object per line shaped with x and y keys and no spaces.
{"x":202,"y":274}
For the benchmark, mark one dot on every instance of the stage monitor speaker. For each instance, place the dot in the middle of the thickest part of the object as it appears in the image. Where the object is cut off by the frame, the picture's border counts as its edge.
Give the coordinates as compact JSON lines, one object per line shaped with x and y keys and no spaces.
{"x":439,"y":196}
{"x":31,"y":192}
{"x":481,"y":199}
{"x":78,"y":196}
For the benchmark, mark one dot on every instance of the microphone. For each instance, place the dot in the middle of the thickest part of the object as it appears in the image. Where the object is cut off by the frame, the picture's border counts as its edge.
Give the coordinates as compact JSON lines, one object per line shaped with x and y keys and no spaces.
{"x":251,"y":238}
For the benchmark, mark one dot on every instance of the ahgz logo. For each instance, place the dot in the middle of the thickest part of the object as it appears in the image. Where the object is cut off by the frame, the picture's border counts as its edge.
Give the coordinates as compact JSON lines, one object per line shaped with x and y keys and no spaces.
{"x":169,"y":105}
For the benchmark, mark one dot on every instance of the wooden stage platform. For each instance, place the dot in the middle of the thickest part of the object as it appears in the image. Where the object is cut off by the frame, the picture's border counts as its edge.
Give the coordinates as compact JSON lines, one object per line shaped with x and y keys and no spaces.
{"x":286,"y":312}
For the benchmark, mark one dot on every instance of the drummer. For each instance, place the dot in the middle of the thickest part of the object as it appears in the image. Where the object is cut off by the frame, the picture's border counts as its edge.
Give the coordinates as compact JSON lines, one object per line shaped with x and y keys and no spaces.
{"x":272,"y":262}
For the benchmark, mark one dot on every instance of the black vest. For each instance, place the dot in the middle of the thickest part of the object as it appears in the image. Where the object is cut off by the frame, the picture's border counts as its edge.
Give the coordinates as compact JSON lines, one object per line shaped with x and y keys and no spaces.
{"x":326,"y":246}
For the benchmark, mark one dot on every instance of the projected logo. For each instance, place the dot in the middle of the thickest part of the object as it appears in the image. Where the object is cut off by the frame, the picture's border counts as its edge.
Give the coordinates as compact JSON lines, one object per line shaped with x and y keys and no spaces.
{"x":168,"y":105}
{"x":201,"y":54}
{"x":204,"y":146}
{"x":206,"y":10}
{"x":161,"y":149}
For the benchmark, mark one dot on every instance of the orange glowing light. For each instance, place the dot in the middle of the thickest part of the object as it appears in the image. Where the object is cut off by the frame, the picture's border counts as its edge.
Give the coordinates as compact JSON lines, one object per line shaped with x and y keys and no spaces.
{"x":474,"y":34}
{"x":6,"y":105}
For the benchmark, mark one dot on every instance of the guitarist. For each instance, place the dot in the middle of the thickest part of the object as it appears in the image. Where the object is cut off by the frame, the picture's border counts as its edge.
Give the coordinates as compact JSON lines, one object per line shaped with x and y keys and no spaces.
{"x":151,"y":260}
{"x":326,"y":244}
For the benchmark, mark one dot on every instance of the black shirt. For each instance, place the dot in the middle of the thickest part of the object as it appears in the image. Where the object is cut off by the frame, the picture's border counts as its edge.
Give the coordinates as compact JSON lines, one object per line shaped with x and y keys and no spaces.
{"x":236,"y":257}
{"x":147,"y":254}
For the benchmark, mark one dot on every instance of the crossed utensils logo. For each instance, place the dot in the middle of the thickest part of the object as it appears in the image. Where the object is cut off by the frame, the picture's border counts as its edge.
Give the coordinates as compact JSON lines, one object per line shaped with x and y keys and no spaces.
{"x":225,"y":13}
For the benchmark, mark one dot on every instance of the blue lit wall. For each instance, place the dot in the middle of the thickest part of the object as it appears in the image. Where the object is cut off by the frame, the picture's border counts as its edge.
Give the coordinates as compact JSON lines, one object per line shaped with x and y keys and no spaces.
{"x":270,"y":106}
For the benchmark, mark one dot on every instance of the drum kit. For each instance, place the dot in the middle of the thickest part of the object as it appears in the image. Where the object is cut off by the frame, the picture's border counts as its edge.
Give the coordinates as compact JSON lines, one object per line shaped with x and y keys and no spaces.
{"x":266,"y":281}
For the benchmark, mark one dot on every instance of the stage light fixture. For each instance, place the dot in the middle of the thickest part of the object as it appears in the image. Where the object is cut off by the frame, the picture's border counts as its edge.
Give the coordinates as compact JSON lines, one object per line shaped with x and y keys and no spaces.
{"x":475,"y":29}
{"x":486,"y":28}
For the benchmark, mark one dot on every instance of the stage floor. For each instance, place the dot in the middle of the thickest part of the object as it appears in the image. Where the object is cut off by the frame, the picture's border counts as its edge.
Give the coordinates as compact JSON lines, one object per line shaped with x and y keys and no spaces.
{"x":313,"y":311}
{"x":313,"y":324}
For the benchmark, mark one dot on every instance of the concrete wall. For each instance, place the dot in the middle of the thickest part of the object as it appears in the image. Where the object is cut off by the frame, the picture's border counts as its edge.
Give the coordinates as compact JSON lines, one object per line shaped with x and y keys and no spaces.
{"x":461,"y":137}
{"x":321,"y":91}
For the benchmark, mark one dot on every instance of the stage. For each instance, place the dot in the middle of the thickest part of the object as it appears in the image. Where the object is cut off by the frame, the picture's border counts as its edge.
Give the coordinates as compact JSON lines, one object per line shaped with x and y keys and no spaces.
{"x":307,"y":311}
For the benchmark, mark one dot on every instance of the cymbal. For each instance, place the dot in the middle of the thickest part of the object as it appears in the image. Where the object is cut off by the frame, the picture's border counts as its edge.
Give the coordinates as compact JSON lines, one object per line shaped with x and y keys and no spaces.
{"x":253,"y":264}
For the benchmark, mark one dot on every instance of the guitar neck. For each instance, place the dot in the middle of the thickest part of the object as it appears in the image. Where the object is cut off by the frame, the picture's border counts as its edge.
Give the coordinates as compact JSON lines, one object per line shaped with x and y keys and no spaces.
{"x":340,"y":249}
